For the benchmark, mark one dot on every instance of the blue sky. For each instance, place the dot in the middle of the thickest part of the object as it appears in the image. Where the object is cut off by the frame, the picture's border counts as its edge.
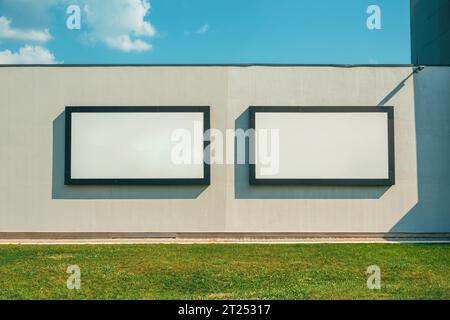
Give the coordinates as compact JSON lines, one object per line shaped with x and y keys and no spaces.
{"x":204,"y":31}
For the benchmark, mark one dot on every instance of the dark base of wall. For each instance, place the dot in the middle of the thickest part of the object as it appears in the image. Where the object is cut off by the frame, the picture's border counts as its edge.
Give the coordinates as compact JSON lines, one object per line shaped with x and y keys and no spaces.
{"x":226,"y":236}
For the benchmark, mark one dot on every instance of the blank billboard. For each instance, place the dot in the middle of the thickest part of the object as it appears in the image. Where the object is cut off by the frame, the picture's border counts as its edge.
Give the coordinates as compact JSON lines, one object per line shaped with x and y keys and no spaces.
{"x":136,"y":145}
{"x":323,"y":145}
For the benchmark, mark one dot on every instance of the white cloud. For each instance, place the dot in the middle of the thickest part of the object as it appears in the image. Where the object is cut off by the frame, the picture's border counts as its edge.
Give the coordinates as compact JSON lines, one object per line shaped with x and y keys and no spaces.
{"x":120,"y":24}
{"x":28,"y":55}
{"x":8,"y":32}
{"x":203,"y":29}
{"x":124,"y":43}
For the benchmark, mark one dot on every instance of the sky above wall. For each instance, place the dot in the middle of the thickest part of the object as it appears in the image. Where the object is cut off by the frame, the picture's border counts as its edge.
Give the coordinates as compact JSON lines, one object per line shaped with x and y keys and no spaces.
{"x":204,"y":31}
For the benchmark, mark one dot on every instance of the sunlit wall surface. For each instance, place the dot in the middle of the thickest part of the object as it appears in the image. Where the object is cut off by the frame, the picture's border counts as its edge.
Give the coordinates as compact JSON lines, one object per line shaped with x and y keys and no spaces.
{"x":205,"y":31}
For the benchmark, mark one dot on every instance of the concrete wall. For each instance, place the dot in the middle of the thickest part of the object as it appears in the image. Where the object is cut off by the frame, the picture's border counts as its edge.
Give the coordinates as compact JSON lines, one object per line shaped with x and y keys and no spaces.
{"x":33,"y":197}
{"x":430,"y":32}
{"x":432,"y":105}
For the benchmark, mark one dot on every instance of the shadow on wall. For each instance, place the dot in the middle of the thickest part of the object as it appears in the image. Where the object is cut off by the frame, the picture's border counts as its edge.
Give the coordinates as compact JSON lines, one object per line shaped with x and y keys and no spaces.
{"x":432,"y":113}
{"x":62,"y":191}
{"x":243,"y":189}
{"x":399,"y":87}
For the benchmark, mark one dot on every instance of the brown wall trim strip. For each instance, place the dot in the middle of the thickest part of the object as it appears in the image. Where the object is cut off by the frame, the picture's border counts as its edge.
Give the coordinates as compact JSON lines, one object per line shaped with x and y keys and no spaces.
{"x":218,"y":235}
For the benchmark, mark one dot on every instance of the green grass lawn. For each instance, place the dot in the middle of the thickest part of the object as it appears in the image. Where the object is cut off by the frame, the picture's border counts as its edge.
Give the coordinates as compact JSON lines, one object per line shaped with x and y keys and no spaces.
{"x":226,"y":271}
